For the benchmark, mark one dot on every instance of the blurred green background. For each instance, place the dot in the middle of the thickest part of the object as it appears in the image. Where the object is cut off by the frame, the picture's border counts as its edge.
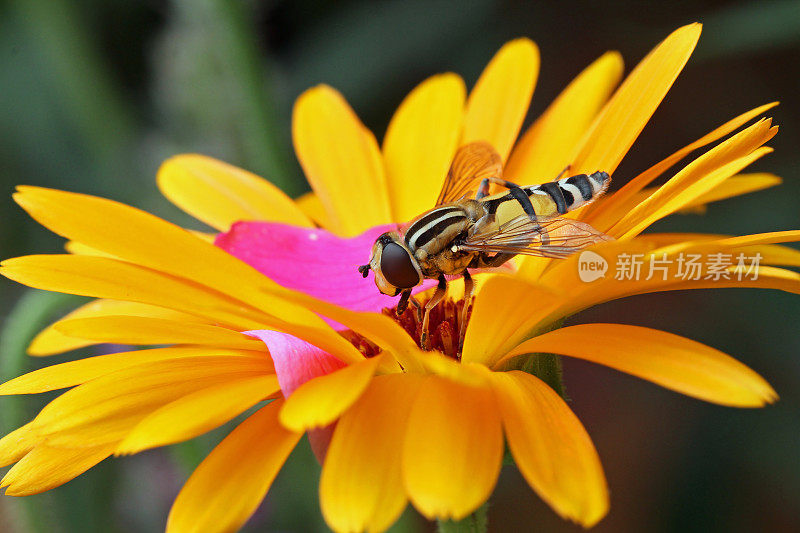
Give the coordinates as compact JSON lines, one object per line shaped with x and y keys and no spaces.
{"x":95,"y":94}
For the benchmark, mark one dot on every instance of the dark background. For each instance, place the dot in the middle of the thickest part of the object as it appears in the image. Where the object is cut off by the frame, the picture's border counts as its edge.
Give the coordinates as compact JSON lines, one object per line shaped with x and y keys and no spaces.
{"x":95,"y":94}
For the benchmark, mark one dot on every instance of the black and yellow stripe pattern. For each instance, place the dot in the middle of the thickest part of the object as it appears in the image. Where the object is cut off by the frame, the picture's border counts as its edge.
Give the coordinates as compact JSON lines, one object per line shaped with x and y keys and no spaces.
{"x":549,"y":199}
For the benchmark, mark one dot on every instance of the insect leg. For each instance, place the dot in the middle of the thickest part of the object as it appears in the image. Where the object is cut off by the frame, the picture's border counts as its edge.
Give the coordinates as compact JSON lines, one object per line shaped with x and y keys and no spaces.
{"x":566,"y":168}
{"x":403,"y":303}
{"x":438,"y":295}
{"x":469,"y":289}
{"x":483,"y":188}
{"x":417,"y":307}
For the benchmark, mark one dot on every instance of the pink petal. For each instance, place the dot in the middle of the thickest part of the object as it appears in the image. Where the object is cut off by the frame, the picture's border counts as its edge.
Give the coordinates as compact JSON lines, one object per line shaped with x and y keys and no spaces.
{"x":320,"y":439}
{"x":295,"y":360}
{"x":312,"y":261}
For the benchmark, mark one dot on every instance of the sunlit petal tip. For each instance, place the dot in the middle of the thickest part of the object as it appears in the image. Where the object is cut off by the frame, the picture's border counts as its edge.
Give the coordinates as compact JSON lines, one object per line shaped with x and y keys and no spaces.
{"x":551,"y":447}
{"x":219,"y":194}
{"x":227,"y":487}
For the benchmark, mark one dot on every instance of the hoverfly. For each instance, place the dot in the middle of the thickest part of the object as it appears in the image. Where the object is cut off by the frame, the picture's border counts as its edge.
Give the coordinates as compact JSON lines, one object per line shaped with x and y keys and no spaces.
{"x":461,"y":233}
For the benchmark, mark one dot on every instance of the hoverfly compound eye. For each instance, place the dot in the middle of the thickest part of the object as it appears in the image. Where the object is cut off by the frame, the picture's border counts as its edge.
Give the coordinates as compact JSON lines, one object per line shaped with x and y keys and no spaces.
{"x":398,"y":267}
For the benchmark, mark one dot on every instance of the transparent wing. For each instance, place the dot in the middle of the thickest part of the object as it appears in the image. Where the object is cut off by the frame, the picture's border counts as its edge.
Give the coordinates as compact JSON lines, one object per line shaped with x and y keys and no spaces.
{"x":472,"y":163}
{"x":554,"y":237}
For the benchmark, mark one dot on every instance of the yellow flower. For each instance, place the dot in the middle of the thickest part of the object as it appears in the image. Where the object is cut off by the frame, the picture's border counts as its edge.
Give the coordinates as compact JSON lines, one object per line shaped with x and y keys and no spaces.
{"x":410,"y":425}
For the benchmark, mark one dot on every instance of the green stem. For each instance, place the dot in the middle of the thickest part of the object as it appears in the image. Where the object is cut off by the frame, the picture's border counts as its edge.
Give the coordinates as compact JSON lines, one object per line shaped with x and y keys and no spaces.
{"x":477,"y":522}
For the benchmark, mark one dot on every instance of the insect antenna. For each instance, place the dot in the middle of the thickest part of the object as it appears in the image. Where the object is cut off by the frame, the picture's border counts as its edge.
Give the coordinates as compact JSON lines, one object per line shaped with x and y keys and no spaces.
{"x":364,"y":270}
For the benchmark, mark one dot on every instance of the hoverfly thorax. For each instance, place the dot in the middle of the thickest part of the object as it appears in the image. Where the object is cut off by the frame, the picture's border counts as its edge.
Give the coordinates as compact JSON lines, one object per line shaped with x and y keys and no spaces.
{"x":394,"y":265}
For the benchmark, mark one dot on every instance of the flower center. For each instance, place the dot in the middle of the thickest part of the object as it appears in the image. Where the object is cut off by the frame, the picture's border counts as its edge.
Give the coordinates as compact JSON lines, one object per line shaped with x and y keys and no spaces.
{"x":443,"y":327}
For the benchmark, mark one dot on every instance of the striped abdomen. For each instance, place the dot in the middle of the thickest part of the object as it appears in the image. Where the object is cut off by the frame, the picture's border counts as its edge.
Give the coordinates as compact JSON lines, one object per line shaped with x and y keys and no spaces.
{"x":571,"y":193}
{"x":549,"y":199}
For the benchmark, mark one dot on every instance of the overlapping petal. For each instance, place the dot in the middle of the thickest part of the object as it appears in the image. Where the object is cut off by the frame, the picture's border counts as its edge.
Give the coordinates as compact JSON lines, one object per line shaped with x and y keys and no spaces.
{"x":551,"y":447}
{"x":312,"y":261}
{"x":104,"y":410}
{"x":453,"y":448}
{"x":46,"y":467}
{"x":420,"y":142}
{"x":498,"y":103}
{"x":341,"y":160}
{"x":602,"y":213}
{"x":550,"y":143}
{"x":361,"y":487}
{"x":698,"y":178}
{"x":198,"y":413}
{"x":51,"y":341}
{"x":631,"y":107}
{"x":669,"y":360}
{"x":146,"y":330}
{"x":73,"y":373}
{"x":321,"y":401}
{"x":227,"y":487}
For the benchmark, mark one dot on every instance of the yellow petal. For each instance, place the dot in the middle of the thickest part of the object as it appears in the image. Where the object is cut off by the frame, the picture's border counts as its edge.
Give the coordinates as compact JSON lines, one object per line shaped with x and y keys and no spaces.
{"x":220,"y":194}
{"x":105,"y":409}
{"x":341,"y":160}
{"x":550,"y":143}
{"x":551,"y":447}
{"x":631,"y":107}
{"x":46,"y":467}
{"x":719,"y":243}
{"x":16,"y":444}
{"x":311,"y":205}
{"x":197,"y":413}
{"x":149,"y":241}
{"x":736,"y":186}
{"x":496,"y":316}
{"x":378,"y":328}
{"x":230,"y":483}
{"x":361,"y":487}
{"x":697,"y":178}
{"x":579,"y":295}
{"x":143,"y":330}
{"x":499,"y":101}
{"x":320,"y":401}
{"x":100,"y":277}
{"x":73,"y":373}
{"x":420,"y":142}
{"x":749,"y":245}
{"x":50,"y":341}
{"x":669,"y":360}
{"x":78,"y":248}
{"x":601,"y":214}
{"x":665,"y":203}
{"x":453,"y":448}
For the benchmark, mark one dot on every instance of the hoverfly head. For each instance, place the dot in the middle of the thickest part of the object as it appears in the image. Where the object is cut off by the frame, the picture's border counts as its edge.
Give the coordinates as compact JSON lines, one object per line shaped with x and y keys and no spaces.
{"x":394,"y":265}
